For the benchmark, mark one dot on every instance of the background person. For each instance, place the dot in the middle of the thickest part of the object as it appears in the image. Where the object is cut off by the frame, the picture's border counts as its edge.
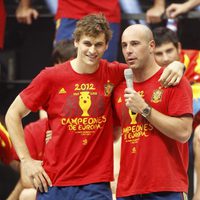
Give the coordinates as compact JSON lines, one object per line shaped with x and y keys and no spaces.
{"x":168,"y":49}
{"x":69,"y":12}
{"x":176,"y":9}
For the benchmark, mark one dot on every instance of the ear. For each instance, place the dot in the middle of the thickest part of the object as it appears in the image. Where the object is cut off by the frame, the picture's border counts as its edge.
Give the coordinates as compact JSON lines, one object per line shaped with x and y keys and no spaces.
{"x":107,"y":46}
{"x":76,"y":43}
{"x":152,"y":46}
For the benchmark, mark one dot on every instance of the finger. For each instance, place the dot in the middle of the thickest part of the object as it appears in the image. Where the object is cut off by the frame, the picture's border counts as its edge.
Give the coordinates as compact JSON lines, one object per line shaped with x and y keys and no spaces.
{"x":29,"y":19}
{"x":37,"y":184}
{"x":174,"y":14}
{"x":43,"y":183}
{"x":168,"y":11}
{"x":177,"y":81}
{"x":35,"y":14}
{"x":167,"y":81}
{"x":129,"y":91}
{"x":164,"y":76}
{"x":47,"y":178}
{"x":172,"y":81}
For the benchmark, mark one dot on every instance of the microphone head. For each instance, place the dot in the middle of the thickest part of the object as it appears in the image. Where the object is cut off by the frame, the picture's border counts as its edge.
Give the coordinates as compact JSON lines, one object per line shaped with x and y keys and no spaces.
{"x":128,"y":74}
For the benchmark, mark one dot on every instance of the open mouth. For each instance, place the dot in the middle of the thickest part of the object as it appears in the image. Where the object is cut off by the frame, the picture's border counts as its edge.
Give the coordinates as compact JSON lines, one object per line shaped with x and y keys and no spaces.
{"x":131,"y":60}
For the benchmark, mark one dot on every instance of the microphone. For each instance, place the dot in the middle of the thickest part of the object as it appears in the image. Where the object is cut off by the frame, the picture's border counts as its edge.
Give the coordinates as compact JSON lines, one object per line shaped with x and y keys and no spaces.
{"x":128,"y":74}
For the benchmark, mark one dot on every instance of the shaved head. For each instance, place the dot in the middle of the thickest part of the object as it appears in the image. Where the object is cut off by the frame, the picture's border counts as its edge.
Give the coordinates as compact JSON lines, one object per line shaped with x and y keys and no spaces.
{"x":139,"y":29}
{"x":138,"y":47}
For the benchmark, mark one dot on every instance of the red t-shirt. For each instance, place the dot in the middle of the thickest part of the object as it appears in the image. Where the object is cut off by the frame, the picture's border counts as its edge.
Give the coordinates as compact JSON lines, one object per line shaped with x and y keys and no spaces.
{"x":2,"y":23}
{"x":191,"y":60}
{"x":151,"y":161}
{"x":6,"y":147}
{"x":35,"y":134}
{"x":80,"y":117}
{"x":76,"y":9}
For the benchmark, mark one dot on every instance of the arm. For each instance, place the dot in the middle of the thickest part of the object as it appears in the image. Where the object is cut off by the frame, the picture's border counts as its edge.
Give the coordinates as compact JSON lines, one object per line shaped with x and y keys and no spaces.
{"x":196,"y":148}
{"x":153,"y":15}
{"x":25,"y":13}
{"x":172,"y":74}
{"x":32,"y":169}
{"x":16,"y":191}
{"x":176,"y":9}
{"x":177,"y":128}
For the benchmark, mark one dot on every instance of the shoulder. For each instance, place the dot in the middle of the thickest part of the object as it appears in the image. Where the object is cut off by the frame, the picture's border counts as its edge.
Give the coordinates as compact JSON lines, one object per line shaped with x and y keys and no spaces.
{"x":113,"y":65}
{"x":53,"y":72}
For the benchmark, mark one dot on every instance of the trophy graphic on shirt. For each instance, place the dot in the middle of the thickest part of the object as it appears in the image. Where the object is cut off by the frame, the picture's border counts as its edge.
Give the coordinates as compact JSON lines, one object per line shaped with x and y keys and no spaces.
{"x":133,"y":117}
{"x":85,"y":102}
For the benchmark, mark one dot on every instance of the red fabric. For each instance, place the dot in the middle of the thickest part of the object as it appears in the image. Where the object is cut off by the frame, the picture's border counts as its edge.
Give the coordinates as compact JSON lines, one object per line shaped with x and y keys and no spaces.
{"x":76,"y":9}
{"x":6,"y":148}
{"x":191,"y":59}
{"x":76,"y":155}
{"x":150,"y":161}
{"x":2,"y":23}
{"x":35,"y":134}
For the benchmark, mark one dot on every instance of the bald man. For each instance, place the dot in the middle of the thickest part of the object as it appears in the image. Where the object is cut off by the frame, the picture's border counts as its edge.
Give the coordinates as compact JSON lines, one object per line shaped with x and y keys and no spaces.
{"x":156,"y":124}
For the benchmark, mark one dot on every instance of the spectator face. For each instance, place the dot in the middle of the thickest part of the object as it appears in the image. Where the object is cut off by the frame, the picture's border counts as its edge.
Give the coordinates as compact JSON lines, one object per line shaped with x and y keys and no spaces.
{"x":166,"y":53}
{"x":91,"y":49}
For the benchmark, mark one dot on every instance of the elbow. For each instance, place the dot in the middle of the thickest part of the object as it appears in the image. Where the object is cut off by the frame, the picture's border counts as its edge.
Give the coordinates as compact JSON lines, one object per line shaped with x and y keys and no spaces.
{"x":185,"y":130}
{"x":185,"y":136}
{"x":8,"y":117}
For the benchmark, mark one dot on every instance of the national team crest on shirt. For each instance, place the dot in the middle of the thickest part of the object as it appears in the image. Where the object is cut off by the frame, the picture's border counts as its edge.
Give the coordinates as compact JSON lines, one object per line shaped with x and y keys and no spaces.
{"x":157,"y":95}
{"x":108,"y":88}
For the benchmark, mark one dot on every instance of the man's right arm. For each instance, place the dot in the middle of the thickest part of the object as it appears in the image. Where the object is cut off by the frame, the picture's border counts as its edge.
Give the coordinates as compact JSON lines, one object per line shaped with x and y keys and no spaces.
{"x":13,"y":118}
{"x":32,"y":169}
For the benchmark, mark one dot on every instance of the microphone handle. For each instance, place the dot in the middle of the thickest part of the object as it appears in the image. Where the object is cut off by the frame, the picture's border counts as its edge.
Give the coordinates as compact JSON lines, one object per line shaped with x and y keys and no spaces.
{"x":129,"y":83}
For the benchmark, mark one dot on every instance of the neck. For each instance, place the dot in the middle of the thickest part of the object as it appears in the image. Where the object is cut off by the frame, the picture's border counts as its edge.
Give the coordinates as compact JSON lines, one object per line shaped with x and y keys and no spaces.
{"x":82,"y":68}
{"x":145,"y":72}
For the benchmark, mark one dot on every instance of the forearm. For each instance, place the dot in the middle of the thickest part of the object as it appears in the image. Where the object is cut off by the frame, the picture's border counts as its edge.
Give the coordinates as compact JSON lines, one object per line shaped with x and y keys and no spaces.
{"x":13,"y":119}
{"x":16,"y":191}
{"x":159,"y":3}
{"x":177,"y":128}
{"x":25,"y":3}
{"x":16,"y":132}
{"x":191,"y":4}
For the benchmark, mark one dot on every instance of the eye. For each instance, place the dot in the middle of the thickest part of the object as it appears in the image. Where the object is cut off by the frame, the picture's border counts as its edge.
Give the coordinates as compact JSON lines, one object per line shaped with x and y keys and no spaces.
{"x":158,"y":54}
{"x":124,"y":45}
{"x":169,"y":50}
{"x":99,"y":44}
{"x":134,"y":43}
{"x":86,"y":43}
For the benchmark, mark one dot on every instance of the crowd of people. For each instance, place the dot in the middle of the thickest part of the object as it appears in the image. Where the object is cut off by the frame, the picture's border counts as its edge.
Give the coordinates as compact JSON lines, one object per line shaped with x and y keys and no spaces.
{"x":69,"y":154}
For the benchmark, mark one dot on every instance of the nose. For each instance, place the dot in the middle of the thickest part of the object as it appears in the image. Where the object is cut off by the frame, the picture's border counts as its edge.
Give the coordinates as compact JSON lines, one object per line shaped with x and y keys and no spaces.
{"x":128,"y":49}
{"x":92,"y":49}
{"x":165,"y":57}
